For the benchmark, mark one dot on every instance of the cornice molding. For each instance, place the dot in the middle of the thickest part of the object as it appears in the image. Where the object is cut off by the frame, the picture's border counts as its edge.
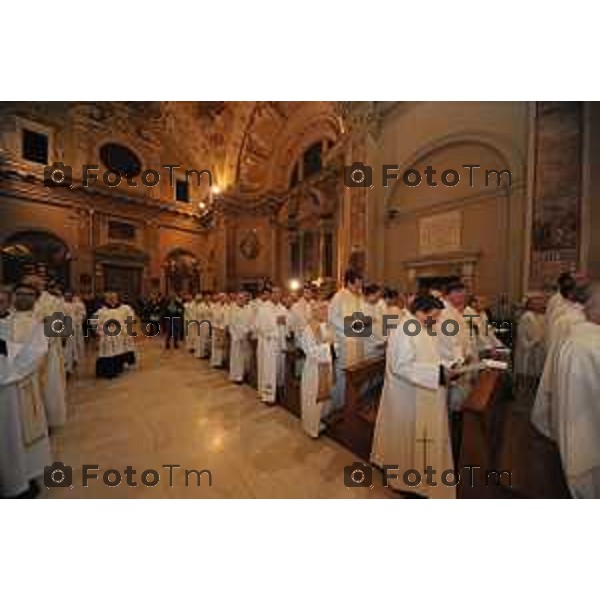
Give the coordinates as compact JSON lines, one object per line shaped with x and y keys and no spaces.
{"x":30,"y":187}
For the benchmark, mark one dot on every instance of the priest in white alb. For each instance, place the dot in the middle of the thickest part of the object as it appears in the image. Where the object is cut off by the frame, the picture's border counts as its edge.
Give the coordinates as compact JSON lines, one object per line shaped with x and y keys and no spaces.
{"x":240,"y":324}
{"x":544,"y":413}
{"x":530,"y":351}
{"x":271,"y":317}
{"x":578,"y":402}
{"x":349,"y":348}
{"x":316,"y":339}
{"x":53,"y":380}
{"x":411,"y":430}
{"x":24,"y":443}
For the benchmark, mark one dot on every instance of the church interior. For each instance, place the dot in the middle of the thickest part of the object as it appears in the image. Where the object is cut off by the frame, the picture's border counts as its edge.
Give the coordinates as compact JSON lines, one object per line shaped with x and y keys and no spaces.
{"x":183,"y":202}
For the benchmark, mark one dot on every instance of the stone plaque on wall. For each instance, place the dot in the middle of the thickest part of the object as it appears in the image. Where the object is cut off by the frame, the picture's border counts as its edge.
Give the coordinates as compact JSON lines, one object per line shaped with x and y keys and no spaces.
{"x":440,"y":234}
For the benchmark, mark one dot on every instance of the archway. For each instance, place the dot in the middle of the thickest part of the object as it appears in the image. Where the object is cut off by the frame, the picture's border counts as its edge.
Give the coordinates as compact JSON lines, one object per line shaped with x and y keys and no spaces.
{"x":182,"y":272}
{"x":37,"y":252}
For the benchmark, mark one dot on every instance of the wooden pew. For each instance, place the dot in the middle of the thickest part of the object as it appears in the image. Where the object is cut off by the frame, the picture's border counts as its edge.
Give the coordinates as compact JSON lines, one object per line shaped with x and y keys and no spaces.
{"x":354,"y":424}
{"x":290,"y":396}
{"x":483,"y":416}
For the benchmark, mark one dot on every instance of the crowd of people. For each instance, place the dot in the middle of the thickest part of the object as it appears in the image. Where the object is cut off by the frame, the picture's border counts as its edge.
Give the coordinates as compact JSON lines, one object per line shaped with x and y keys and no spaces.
{"x":435,"y":342}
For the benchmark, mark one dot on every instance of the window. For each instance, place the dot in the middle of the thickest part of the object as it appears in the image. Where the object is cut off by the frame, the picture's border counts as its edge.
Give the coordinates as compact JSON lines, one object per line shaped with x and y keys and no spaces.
{"x":312,"y":159}
{"x":35,"y":146}
{"x":117,"y":230}
{"x":310,"y":164}
{"x":182,"y":190}
{"x":121,"y":160}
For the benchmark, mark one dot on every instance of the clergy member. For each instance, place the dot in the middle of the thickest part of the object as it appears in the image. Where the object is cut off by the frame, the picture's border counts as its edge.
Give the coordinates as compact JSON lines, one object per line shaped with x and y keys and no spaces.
{"x":24,"y":443}
{"x":111,"y":333}
{"x":316,"y":385}
{"x":349,"y":348}
{"x":239,"y":330}
{"x":411,"y":429}
{"x":530,"y":350}
{"x":301,"y":310}
{"x":50,"y":307}
{"x":372,"y":307}
{"x":544,"y":414}
{"x":578,"y":402}
{"x":202,"y":336}
{"x":188,"y":316}
{"x":219,"y":330}
{"x":270,"y":318}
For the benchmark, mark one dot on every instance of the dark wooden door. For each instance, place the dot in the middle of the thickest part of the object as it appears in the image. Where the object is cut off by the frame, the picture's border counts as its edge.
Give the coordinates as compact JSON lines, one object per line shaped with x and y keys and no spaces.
{"x":126,"y":281}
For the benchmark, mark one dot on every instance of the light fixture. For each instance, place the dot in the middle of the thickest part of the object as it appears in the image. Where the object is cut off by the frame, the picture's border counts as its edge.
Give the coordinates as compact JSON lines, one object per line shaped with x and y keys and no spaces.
{"x":294,"y":285}
{"x":216,"y":190}
{"x":202,"y":205}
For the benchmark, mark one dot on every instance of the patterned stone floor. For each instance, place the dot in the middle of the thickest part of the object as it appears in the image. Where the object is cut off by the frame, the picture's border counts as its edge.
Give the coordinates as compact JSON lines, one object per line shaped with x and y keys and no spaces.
{"x":173,"y":409}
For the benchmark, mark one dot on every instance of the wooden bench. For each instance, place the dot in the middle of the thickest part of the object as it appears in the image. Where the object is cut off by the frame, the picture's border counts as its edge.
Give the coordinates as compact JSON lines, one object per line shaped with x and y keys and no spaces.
{"x":483,"y":416}
{"x":353,"y":426}
{"x":290,"y":396}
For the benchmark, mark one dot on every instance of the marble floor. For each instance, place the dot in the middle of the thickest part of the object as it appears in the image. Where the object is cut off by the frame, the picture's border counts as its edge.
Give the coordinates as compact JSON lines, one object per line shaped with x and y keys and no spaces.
{"x":173,"y":409}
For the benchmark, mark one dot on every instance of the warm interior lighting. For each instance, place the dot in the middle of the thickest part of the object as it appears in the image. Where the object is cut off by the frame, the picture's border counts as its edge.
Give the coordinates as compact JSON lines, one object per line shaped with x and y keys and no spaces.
{"x":216,"y":190}
{"x":202,"y":205}
{"x":294,"y":285}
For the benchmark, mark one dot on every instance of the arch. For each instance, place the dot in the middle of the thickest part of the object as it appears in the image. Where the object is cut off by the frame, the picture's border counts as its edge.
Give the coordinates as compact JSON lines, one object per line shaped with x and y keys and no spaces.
{"x":182,"y":271}
{"x":35,"y":251}
{"x":274,"y":135}
{"x":302,"y":134}
{"x":494,"y":144}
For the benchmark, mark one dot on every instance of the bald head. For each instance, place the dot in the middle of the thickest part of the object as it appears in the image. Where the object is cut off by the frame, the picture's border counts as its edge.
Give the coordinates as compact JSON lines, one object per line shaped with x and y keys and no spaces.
{"x":592,"y":304}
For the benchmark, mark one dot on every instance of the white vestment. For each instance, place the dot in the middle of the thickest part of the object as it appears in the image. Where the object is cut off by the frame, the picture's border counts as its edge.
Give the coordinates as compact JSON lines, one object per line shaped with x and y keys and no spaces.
{"x":544,"y":415}
{"x":53,"y":379}
{"x":316,"y":353}
{"x":127,"y":315}
{"x":480,"y":330}
{"x":457,"y":348}
{"x":201,"y":330}
{"x":218,"y":321}
{"x":24,"y":444}
{"x":52,"y":376}
{"x":578,"y":410}
{"x":270,"y":351}
{"x":412,"y":429}
{"x":349,"y":350}
{"x":556,"y":302}
{"x":190,"y":331}
{"x":530,"y":350}
{"x":111,"y":339}
{"x":300,"y":315}
{"x":239,"y":328}
{"x":73,"y":348}
{"x":78,"y":321}
{"x":556,"y":306}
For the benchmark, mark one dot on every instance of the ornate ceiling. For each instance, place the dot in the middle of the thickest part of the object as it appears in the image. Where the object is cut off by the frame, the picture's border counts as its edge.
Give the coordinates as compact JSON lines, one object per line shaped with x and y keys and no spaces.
{"x":250,"y":147}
